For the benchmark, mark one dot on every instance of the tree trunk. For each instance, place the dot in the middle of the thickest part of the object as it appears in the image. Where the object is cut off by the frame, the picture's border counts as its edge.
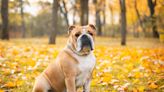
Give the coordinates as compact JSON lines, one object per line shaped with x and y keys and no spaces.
{"x":139,"y":18}
{"x":4,"y":15}
{"x":112,"y":24}
{"x":65,"y":12}
{"x":98,"y":19}
{"x":74,"y":11}
{"x":104,"y":16}
{"x":52,"y":39}
{"x":74,"y":14}
{"x":23,"y":27}
{"x":123,"y":22}
{"x":98,"y":23}
{"x":84,"y":12}
{"x":151,"y":6}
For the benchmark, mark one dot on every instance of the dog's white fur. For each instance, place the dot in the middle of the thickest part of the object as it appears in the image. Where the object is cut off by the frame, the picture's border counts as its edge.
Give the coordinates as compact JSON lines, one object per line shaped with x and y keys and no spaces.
{"x":86,"y":65}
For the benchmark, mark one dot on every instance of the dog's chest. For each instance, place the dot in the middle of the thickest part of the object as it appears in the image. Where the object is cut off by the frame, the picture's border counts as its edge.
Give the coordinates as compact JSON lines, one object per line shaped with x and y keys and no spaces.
{"x":85,"y":67}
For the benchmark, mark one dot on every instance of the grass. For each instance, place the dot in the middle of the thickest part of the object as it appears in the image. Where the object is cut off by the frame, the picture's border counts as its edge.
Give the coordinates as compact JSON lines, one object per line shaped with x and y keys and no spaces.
{"x":136,"y":67}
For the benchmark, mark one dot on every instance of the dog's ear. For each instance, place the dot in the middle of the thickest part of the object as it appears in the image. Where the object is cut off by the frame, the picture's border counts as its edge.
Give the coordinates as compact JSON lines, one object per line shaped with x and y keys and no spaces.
{"x":92,"y":26}
{"x":71,"y":28}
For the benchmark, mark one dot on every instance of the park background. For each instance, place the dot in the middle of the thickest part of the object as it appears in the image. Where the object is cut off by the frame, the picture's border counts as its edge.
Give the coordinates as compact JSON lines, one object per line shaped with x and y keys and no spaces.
{"x":129,"y":43}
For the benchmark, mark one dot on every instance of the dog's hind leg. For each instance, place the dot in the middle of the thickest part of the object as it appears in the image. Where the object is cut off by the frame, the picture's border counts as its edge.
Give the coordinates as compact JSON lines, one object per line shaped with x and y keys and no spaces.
{"x":41,"y":85}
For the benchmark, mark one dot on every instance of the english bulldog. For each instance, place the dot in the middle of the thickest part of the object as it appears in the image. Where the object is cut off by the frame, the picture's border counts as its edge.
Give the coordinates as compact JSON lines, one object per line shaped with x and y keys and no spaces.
{"x":73,"y":66}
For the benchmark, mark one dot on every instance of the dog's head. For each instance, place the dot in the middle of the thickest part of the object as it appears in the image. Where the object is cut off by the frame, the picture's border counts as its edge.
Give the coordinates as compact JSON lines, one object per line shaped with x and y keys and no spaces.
{"x":81,"y":38}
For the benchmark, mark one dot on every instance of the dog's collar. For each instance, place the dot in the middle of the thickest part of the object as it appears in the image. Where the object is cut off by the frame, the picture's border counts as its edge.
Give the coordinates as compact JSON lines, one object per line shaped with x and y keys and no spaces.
{"x":75,"y":52}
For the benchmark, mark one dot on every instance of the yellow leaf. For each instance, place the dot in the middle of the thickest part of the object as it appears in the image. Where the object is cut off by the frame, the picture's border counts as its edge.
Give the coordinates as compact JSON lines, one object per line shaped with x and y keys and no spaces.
{"x":135,"y":90}
{"x":106,"y":79}
{"x":19,"y":83}
{"x":1,"y":90}
{"x":9,"y":84}
{"x":30,"y":62}
{"x":15,"y":52}
{"x":6,"y":72}
{"x":0,"y":80}
{"x":153,"y":85}
{"x":138,"y":75}
{"x":94,"y":82}
{"x":141,"y":88}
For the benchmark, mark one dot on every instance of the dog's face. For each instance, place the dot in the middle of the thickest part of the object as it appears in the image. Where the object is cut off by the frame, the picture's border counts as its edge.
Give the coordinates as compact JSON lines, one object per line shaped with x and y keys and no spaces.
{"x":82,"y":38}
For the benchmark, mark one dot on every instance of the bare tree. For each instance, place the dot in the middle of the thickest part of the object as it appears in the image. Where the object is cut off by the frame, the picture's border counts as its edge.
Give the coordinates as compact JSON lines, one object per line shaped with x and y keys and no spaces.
{"x":139,"y":18}
{"x":23,"y":28}
{"x":104,"y":12}
{"x":112,"y":18}
{"x":4,"y":15}
{"x":74,"y":11}
{"x":98,"y":23}
{"x":52,"y":39}
{"x":64,"y":10}
{"x":151,"y":6}
{"x":123,"y":22}
{"x":98,"y":18}
{"x":84,"y":12}
{"x":74,"y":14}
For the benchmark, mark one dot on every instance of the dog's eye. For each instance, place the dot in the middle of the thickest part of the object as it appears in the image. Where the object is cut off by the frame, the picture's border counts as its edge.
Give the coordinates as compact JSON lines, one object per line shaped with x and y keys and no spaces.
{"x":77,"y":35}
{"x":91,"y":34}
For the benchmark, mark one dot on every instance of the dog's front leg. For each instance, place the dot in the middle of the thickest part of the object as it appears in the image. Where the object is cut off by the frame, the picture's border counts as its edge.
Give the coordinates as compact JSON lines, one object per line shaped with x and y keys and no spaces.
{"x":86,"y":87}
{"x":70,"y":84}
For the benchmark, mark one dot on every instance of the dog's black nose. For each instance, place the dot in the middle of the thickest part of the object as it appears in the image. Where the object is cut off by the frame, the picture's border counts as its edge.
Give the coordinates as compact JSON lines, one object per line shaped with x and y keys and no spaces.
{"x":86,"y":41}
{"x":85,"y":37}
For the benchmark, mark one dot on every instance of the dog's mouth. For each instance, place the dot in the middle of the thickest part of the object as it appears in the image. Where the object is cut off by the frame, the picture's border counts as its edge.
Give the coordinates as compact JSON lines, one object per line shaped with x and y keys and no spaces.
{"x":86,"y":49}
{"x":86,"y":45}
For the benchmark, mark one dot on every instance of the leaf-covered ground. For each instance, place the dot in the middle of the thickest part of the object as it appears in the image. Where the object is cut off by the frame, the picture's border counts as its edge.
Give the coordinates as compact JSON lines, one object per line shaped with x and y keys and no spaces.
{"x":138,"y":67}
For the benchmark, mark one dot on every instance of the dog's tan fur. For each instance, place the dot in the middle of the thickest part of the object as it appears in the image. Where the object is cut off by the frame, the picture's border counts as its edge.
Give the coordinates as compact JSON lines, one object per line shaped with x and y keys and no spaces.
{"x":61,"y":75}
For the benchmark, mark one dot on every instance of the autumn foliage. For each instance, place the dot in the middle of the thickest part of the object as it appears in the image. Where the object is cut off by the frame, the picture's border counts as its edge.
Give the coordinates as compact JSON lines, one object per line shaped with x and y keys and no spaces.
{"x":118,"y":69}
